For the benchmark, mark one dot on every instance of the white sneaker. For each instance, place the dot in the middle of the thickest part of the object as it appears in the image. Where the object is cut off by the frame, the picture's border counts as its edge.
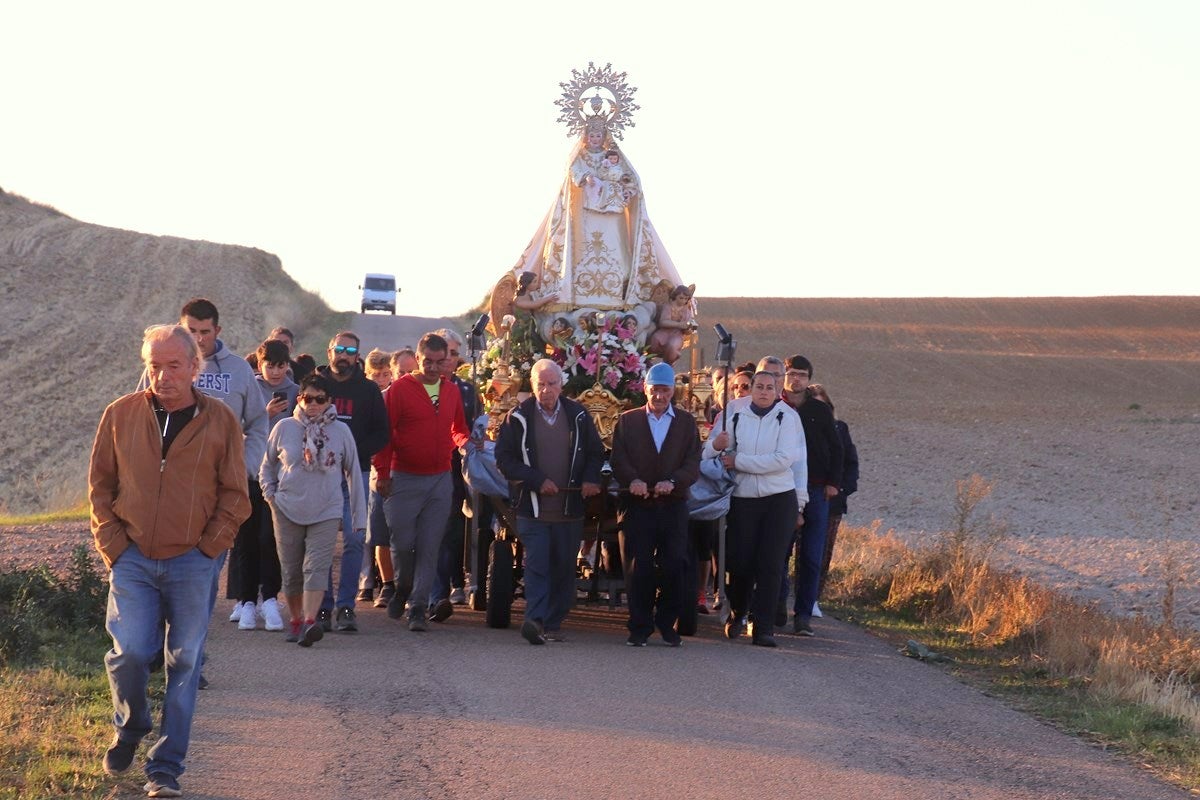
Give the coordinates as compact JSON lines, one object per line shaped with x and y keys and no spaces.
{"x":817,"y":610}
{"x":236,"y":616}
{"x":269,"y":609}
{"x":249,"y":617}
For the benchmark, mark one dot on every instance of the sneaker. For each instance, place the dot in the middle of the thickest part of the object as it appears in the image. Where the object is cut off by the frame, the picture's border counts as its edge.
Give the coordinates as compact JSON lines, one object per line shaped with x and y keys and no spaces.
{"x":249,"y":620}
{"x":764,"y":640}
{"x":417,"y":621}
{"x":272,"y":620}
{"x":442,"y":611}
{"x":385,"y":595}
{"x":162,"y":785}
{"x":531,"y":629}
{"x":236,"y":616}
{"x":817,"y":610}
{"x":325,"y":617}
{"x":395,"y":606}
{"x":313,"y":632}
{"x":119,"y":756}
{"x":365,"y":595}
{"x":671,"y":638}
{"x":554,"y":636}
{"x":458,"y":597}
{"x":801,"y":626}
{"x":294,"y":629}
{"x":346,"y":621}
{"x":636,"y":640}
{"x":733,"y":626}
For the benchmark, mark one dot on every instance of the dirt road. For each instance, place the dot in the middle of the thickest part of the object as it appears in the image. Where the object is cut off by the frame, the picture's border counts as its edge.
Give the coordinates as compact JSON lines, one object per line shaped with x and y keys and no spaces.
{"x":465,"y":711}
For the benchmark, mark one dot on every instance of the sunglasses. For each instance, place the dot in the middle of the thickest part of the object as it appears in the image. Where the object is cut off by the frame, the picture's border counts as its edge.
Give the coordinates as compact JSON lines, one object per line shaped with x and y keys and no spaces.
{"x":341,"y":348}
{"x":312,"y":398}
{"x":743,"y":386}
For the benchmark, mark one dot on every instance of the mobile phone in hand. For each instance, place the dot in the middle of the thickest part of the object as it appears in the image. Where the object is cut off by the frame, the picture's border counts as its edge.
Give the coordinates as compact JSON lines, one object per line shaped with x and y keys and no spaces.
{"x":279,"y":395}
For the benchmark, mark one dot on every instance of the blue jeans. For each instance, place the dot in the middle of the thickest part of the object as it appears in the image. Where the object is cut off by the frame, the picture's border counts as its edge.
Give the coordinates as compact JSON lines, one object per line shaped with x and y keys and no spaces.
{"x":810,"y":551}
{"x":550,"y":550}
{"x":152,"y":603}
{"x":352,"y":554}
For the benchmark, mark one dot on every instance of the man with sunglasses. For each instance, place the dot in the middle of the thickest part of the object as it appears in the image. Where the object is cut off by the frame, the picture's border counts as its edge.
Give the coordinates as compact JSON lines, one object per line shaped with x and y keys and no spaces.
{"x":360,"y":405}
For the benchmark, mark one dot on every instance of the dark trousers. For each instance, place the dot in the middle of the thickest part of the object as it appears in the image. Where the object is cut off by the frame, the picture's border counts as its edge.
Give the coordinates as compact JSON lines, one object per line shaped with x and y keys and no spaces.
{"x":450,"y":568}
{"x":654,"y":546}
{"x":254,"y":561}
{"x":550,"y":549}
{"x":757,"y":534}
{"x":810,"y":548}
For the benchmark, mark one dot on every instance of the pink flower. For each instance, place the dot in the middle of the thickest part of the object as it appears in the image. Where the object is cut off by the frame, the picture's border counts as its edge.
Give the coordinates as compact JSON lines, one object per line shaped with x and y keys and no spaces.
{"x":636,"y":386}
{"x":588,"y":362}
{"x":612,"y":377}
{"x":631,"y":363}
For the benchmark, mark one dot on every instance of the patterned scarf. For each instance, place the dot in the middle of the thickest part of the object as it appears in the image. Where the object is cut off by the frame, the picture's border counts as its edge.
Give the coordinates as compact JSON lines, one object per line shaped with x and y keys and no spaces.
{"x":317,"y":455}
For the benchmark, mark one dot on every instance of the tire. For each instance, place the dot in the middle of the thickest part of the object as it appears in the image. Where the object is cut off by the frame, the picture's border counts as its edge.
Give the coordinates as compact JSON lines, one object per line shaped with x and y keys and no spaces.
{"x":480,"y":558}
{"x":393,"y":311}
{"x":499,"y":585}
{"x":364,"y":309}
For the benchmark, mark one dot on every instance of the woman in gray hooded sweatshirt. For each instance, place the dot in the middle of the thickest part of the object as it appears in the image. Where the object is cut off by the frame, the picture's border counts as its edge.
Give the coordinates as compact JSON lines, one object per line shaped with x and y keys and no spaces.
{"x":309,"y":455}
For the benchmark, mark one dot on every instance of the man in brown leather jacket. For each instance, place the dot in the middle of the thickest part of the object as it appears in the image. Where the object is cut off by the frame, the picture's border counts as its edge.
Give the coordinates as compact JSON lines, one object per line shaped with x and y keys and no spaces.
{"x":167,"y":487}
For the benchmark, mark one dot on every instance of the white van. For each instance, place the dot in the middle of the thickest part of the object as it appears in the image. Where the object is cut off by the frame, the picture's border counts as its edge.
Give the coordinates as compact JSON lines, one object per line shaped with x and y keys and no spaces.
{"x":379,"y":293}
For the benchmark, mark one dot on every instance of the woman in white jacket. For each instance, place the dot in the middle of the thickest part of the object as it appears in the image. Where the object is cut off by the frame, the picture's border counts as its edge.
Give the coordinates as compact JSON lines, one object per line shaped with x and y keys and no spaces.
{"x":760,"y":442}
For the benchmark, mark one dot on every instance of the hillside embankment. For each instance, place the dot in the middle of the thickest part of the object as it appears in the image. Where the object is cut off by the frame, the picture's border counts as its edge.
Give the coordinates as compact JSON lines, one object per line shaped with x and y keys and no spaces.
{"x":74,"y":299}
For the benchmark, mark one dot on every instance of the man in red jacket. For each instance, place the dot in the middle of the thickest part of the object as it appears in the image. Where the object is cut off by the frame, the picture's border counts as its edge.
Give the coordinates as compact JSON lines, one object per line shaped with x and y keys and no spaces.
{"x":425,"y":413}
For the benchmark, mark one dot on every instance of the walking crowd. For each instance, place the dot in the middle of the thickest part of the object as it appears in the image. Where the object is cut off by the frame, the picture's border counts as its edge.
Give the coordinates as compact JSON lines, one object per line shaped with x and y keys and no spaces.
{"x":269,"y":459}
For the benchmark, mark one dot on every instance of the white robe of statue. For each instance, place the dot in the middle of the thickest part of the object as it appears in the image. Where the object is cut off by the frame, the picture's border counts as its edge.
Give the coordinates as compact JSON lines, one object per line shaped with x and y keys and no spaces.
{"x":596,"y":247}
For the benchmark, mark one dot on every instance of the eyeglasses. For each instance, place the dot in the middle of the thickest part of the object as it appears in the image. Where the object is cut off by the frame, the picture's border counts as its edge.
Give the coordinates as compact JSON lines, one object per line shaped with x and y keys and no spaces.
{"x":745,"y":387}
{"x":341,"y":348}
{"x":312,"y":398}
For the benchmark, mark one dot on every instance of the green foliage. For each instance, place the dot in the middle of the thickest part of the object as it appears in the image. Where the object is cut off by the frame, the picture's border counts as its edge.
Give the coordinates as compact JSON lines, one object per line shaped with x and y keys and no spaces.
{"x":37,"y":607}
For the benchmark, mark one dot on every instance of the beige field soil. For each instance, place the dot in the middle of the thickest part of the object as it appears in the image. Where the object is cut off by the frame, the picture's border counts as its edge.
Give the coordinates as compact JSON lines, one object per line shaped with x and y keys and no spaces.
{"x":1083,"y":413}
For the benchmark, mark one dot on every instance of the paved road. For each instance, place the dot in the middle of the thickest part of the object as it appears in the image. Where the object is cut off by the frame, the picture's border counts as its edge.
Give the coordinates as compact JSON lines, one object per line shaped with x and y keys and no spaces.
{"x":465,"y":711}
{"x":391,"y":333}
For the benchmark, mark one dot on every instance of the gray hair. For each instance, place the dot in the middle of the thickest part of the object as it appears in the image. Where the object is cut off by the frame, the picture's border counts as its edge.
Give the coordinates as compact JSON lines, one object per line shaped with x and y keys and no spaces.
{"x":157,"y":334}
{"x":543,"y":365}
{"x":773,"y":362}
{"x":451,"y":335}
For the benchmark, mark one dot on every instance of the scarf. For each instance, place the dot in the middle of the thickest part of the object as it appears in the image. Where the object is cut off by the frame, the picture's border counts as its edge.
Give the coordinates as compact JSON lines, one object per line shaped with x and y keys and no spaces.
{"x":317,"y":455}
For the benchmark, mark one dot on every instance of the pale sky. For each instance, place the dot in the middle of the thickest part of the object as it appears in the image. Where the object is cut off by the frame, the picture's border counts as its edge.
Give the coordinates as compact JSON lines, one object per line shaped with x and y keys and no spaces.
{"x":857,"y":149}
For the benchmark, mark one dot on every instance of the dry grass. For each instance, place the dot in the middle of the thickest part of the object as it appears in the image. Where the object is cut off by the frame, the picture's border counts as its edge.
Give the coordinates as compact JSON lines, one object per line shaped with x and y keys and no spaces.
{"x":952,"y":583}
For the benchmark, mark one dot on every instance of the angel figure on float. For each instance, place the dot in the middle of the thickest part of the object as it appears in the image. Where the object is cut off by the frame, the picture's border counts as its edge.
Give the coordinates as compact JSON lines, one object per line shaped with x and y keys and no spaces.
{"x":673,"y":321}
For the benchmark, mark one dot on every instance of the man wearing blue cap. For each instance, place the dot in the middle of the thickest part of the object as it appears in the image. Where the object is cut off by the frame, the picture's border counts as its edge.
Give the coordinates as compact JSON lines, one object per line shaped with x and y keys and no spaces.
{"x":655,"y":459}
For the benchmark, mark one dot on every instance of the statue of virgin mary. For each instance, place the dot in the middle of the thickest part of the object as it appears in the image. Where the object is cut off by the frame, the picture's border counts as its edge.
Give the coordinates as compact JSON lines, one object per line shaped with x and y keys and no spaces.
{"x":596,"y":250}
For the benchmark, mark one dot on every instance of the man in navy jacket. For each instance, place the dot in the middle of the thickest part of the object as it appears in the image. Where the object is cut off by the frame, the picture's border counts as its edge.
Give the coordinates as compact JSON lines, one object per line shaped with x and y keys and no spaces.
{"x":549,"y":448}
